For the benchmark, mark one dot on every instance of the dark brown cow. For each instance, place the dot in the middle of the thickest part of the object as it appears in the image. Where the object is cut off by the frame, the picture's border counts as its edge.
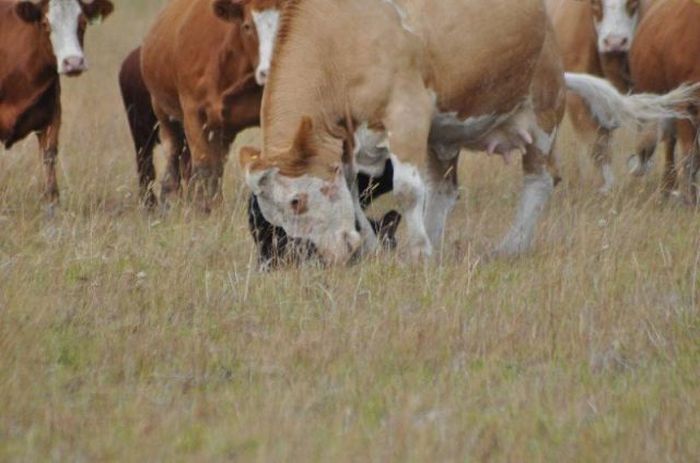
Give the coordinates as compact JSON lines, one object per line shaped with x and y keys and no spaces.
{"x":665,"y":54}
{"x":200,"y":68}
{"x":142,"y":123}
{"x":38,"y":42}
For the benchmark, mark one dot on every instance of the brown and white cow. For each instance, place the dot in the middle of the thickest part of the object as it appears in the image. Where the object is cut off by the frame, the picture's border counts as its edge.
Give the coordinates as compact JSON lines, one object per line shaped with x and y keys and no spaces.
{"x":665,"y":54}
{"x":595,"y":37}
{"x":40,"y":40}
{"x":201,"y":62}
{"x":409,"y":79}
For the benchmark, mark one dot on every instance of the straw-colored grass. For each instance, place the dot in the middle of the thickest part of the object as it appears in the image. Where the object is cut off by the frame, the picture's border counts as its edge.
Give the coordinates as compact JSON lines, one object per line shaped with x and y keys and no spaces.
{"x":129,"y":337}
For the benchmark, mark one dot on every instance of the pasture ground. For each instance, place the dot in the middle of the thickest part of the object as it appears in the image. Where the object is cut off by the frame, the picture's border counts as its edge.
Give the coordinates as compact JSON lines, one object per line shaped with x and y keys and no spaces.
{"x":128,"y":337}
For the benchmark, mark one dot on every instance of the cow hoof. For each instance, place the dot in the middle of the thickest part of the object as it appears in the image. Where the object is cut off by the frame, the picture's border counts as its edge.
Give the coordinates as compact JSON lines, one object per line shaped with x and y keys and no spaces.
{"x":50,"y":211}
{"x":637,"y":168}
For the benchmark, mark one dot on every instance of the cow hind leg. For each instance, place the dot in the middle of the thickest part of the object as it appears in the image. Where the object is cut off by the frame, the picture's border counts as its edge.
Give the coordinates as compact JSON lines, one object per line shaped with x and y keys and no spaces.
{"x":145,"y":145}
{"x":442,"y":191}
{"x":688,"y":182}
{"x":537,"y":189}
{"x":173,"y":140}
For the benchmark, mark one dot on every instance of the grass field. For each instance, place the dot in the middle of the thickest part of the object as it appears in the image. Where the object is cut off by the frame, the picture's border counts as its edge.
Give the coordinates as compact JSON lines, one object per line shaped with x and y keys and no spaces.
{"x":129,"y":337}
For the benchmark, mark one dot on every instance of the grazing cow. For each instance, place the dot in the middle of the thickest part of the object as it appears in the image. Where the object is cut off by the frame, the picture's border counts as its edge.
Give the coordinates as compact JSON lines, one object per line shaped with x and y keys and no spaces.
{"x":665,"y":54}
{"x":203,"y":70}
{"x":40,"y":40}
{"x":407,"y":77}
{"x":143,"y":124}
{"x":595,"y":37}
{"x":275,"y":248}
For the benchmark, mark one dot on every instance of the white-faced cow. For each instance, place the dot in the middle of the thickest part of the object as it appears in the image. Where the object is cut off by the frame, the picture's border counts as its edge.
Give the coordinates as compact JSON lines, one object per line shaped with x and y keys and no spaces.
{"x":40,"y":40}
{"x":413,"y":77}
{"x":595,"y":37}
{"x":203,"y":63}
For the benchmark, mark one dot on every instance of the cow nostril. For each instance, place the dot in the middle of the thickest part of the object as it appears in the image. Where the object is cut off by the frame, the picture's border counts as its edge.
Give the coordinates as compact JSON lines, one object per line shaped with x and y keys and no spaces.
{"x":74,"y":64}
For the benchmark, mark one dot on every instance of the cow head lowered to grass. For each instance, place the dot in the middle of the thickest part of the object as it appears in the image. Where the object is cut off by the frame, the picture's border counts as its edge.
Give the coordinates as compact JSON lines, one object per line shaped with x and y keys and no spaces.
{"x":65,"y":22}
{"x":309,"y":198}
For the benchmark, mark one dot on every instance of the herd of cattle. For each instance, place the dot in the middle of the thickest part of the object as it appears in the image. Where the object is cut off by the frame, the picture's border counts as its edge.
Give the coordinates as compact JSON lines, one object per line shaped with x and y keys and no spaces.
{"x":360,"y":98}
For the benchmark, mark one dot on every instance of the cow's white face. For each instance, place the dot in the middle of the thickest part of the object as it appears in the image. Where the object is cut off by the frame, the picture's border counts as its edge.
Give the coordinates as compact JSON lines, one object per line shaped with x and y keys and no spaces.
{"x":311,"y":209}
{"x":67,"y":24}
{"x":266,"y":23}
{"x":616,"y":23}
{"x":315,"y":207}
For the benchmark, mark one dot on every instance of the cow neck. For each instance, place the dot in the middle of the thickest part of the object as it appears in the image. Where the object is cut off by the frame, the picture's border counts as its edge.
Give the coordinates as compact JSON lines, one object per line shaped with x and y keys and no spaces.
{"x":291,"y":95}
{"x":232,"y":64}
{"x":34,"y":61}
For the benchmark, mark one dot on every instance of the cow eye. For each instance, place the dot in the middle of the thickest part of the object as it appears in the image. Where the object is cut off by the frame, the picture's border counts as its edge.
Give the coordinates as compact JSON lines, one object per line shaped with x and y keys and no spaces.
{"x":294,"y":204}
{"x":247,"y":27}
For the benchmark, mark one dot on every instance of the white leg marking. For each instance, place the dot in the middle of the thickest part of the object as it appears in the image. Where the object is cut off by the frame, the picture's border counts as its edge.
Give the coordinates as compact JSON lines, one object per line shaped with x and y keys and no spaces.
{"x":536,"y":192}
{"x":608,"y":178}
{"x":410,"y":188}
{"x":442,"y":197}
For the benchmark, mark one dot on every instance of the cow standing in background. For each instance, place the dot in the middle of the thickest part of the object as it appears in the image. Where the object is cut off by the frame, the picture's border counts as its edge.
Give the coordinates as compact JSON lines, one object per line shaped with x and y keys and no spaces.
{"x":665,"y":54}
{"x":39,"y":41}
{"x":595,"y":37}
{"x":204,"y":70}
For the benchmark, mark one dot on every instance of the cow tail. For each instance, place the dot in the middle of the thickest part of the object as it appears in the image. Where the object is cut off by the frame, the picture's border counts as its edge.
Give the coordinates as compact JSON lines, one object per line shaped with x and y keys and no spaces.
{"x":612,"y":109}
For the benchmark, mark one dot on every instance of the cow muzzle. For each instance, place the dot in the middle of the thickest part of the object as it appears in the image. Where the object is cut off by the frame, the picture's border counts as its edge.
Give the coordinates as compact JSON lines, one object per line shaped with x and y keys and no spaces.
{"x":616,"y":44}
{"x":342,"y":248}
{"x":261,"y":75}
{"x":73,"y":66}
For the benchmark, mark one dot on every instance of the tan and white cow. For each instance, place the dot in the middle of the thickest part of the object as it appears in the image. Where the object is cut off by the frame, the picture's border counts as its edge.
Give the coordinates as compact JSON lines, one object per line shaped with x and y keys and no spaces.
{"x":420,"y":80}
{"x":595,"y":37}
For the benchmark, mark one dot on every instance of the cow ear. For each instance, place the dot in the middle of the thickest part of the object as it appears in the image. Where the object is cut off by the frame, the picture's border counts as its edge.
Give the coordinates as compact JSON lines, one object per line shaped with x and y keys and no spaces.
{"x":257,"y":171}
{"x":229,"y":10}
{"x":97,"y":10}
{"x":302,"y":140}
{"x":29,"y":11}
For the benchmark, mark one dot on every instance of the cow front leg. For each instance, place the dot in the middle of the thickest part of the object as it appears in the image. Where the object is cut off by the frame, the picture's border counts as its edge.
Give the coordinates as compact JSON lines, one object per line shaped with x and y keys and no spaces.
{"x":442,"y":191}
{"x":410,"y":190}
{"x":409,"y":116}
{"x":601,"y":157}
{"x":48,"y":151}
{"x":640,"y":163}
{"x":537,"y":189}
{"x":207,"y":149}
